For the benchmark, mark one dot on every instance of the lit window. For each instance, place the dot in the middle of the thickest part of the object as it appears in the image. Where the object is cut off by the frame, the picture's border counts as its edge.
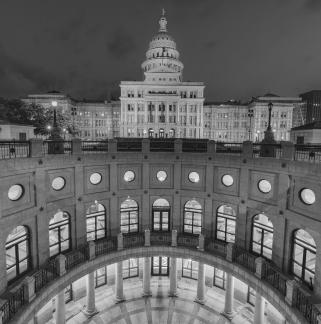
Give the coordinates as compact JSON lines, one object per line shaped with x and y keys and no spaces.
{"x":193,"y":217}
{"x":15,"y":192}
{"x":59,"y":233}
{"x":161,"y":176}
{"x":129,"y":176}
{"x":227,"y":180}
{"x":194,"y":177}
{"x":225,"y":224}
{"x":129,"y":216}
{"x":95,"y":178}
{"x":264,"y":186}
{"x":130,"y":268}
{"x":190,"y":269}
{"x":307,"y":196}
{"x":96,"y":222}
{"x":58,"y":183}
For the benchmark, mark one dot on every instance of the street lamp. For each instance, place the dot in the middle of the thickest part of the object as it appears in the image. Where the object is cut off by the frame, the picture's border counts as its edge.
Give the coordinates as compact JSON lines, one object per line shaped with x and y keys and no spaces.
{"x":250,"y":115}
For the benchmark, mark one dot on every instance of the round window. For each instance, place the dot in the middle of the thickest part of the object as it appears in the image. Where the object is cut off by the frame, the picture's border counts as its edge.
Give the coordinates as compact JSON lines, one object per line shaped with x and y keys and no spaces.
{"x":58,"y":183}
{"x":161,"y":175}
{"x":194,"y":177}
{"x":307,"y":196}
{"x":15,"y":192}
{"x":95,"y":178}
{"x":129,"y":176}
{"x":227,"y":180}
{"x":264,"y":186}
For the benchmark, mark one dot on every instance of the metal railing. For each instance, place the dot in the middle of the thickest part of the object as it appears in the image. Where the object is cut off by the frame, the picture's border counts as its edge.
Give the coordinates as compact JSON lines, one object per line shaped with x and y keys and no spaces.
{"x":194,"y":145}
{"x":303,"y":303}
{"x":244,"y":258}
{"x":94,"y":146}
{"x":76,"y":257}
{"x":133,"y":240}
{"x":187,"y":240}
{"x":307,"y":153}
{"x":129,"y":145}
{"x":14,"y":149}
{"x":274,"y":277}
{"x":45,"y":274}
{"x":56,"y":147}
{"x":13,"y":301}
{"x":160,"y":238}
{"x":267,"y":150}
{"x":235,"y":148}
{"x":161,"y":145}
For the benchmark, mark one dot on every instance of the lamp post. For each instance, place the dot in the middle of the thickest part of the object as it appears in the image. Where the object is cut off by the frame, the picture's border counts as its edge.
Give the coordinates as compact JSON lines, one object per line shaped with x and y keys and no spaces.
{"x":250,"y":115}
{"x":56,"y":146}
{"x":268,"y":134}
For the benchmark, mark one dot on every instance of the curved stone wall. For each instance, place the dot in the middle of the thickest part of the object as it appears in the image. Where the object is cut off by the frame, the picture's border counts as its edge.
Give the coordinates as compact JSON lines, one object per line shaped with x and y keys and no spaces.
{"x":40,"y":201}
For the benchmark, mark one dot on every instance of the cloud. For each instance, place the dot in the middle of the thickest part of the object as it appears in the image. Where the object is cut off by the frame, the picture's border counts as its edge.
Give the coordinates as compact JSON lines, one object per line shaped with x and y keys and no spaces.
{"x":314,"y":5}
{"x":121,"y":44}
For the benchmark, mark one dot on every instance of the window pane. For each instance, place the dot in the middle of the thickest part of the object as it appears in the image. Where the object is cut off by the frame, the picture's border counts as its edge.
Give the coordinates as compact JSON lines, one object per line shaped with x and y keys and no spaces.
{"x":298,"y":253}
{"x":23,"y":266}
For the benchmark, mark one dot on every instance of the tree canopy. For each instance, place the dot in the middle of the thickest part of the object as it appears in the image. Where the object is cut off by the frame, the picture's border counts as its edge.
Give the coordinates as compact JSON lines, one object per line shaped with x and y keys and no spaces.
{"x":17,"y":111}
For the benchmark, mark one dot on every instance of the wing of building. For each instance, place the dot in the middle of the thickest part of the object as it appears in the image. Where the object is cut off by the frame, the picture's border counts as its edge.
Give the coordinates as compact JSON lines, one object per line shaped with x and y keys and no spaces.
{"x":162,"y":105}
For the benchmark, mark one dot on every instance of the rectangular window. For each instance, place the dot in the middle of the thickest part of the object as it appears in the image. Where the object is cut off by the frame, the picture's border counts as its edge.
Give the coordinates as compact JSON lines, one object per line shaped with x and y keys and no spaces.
{"x":219,"y":278}
{"x":190,"y":269}
{"x":101,"y":277}
{"x":130,"y":268}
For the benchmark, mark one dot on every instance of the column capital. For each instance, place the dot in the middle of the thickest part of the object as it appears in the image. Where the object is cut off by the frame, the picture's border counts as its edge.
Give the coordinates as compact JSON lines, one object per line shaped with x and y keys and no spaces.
{"x":147,"y":237}
{"x":120,"y":242}
{"x":61,"y":264}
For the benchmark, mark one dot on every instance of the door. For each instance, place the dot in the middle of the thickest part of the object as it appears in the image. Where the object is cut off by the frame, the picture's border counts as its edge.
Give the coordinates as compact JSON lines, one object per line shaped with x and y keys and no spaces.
{"x":161,"y":219}
{"x":160,"y":266}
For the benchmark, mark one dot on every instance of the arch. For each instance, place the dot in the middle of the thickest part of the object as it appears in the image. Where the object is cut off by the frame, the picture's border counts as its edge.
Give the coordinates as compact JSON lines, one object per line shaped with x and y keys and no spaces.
{"x":129,"y":221}
{"x":209,"y":259}
{"x":303,"y":256}
{"x":96,"y":222}
{"x":192,"y":217}
{"x":59,"y":233}
{"x":225,"y":223}
{"x":262,"y":236}
{"x":161,"y":215}
{"x":18,"y":258}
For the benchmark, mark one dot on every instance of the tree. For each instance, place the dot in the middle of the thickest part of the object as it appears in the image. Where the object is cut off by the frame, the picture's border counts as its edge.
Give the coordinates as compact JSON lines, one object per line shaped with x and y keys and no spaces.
{"x":17,"y":111}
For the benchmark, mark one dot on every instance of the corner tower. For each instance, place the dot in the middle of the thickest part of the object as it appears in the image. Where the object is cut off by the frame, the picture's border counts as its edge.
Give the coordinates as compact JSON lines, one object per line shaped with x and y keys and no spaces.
{"x":162,"y":105}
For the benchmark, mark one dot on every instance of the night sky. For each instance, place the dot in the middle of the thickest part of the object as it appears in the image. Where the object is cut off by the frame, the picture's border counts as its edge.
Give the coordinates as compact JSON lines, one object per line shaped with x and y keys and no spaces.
{"x":239,"y":48}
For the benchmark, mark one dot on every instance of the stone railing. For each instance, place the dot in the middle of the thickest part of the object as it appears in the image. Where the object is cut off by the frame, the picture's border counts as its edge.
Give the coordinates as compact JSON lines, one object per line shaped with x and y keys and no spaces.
{"x":294,"y":294}
{"x":39,"y":148}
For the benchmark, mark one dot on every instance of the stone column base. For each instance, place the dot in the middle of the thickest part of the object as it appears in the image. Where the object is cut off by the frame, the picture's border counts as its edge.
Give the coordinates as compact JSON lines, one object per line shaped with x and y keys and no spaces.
{"x":199,"y":301}
{"x":89,"y":313}
{"x":170,"y":294}
{"x":147,"y":294}
{"x":229,"y":315}
{"x":119,"y":300}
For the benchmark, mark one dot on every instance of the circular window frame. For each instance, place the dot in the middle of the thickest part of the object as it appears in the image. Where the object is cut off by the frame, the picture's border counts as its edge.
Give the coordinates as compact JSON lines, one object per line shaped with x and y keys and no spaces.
{"x":189,"y":177}
{"x":158,"y":176}
{"x":260,"y":189}
{"x":303,"y":200}
{"x":130,"y":180}
{"x":95,"y":182}
{"x":57,"y":179}
{"x":227,"y":185}
{"x":17,"y":197}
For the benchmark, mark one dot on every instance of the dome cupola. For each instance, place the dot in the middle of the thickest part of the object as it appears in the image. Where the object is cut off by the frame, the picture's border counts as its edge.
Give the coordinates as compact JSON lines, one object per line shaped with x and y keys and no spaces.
{"x":162,"y":58}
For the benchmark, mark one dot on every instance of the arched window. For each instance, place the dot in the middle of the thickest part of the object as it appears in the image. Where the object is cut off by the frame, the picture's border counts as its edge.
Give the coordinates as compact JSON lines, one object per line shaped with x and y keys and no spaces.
{"x":96,"y":222}
{"x":193,"y":217}
{"x":161,"y":215}
{"x":17,"y":252}
{"x":172,"y":132}
{"x":129,"y":216}
{"x":225,"y":223}
{"x":262,"y":236}
{"x":59,"y":233}
{"x":303,"y":256}
{"x":161,"y":131}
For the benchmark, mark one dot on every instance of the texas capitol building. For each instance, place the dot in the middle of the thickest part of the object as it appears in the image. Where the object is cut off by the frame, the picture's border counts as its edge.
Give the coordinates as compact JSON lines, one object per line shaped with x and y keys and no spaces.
{"x":162,"y":105}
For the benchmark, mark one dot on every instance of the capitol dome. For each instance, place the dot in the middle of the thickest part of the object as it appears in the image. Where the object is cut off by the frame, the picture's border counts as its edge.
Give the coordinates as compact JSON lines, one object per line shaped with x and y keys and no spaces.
{"x":162,"y":56}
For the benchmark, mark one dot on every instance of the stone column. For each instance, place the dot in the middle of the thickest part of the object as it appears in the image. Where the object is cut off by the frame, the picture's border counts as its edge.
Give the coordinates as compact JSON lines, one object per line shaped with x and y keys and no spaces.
{"x":60,"y":313}
{"x":90,"y":308}
{"x":146,"y":277}
{"x":200,"y":298}
{"x":229,"y":297}
{"x":173,"y":278}
{"x":119,"y":282}
{"x":259,"y":309}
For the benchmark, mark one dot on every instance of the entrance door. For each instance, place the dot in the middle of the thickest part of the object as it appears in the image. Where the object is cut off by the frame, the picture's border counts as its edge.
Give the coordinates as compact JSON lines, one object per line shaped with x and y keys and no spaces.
{"x":160,"y":266}
{"x":161,"y":219}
